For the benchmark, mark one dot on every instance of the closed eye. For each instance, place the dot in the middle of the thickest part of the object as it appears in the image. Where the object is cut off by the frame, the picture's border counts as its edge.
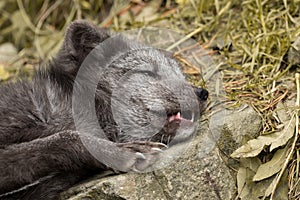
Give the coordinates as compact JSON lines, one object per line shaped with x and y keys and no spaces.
{"x":146,"y":72}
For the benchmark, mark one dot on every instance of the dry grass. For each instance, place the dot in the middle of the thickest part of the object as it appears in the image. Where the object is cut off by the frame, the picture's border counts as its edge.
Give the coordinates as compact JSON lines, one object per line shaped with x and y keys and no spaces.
{"x":253,"y":35}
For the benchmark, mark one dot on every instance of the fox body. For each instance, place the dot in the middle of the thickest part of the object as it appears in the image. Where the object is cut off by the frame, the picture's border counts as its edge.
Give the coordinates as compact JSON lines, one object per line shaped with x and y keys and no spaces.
{"x":45,"y":150}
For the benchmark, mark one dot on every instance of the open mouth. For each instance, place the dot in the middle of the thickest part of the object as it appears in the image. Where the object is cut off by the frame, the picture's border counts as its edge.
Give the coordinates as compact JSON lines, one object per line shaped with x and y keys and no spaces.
{"x":181,"y":116}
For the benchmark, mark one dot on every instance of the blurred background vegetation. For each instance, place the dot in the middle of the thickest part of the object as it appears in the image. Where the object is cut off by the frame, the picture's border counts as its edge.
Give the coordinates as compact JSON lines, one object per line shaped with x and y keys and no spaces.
{"x":256,"y":38}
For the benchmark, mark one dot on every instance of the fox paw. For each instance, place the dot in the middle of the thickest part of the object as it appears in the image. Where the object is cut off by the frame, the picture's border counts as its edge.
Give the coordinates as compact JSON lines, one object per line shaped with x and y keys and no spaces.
{"x":145,"y":153}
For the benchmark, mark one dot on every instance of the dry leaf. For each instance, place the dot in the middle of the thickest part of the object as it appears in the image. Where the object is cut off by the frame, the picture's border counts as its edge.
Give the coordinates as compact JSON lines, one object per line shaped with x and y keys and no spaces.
{"x":243,"y":189}
{"x":253,"y":147}
{"x":248,"y":189}
{"x":270,"y":168}
{"x":245,"y":174}
{"x":289,"y":128}
{"x":282,"y":188}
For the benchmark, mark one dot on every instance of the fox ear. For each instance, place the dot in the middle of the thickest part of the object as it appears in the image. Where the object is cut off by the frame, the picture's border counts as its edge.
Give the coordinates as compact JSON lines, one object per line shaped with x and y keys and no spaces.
{"x":81,"y":37}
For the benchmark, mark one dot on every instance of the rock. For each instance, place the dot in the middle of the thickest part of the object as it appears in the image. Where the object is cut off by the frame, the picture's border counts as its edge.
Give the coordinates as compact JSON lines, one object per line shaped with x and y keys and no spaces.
{"x":199,"y":173}
{"x":241,"y":125}
{"x":293,"y":58}
{"x":8,"y":52}
{"x":294,"y":52}
{"x":126,"y":186}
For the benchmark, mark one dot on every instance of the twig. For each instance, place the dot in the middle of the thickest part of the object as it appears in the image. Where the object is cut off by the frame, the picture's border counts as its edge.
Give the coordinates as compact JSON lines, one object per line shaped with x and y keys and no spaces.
{"x":297,"y":77}
{"x":185,"y":38}
{"x":39,"y":26}
{"x":25,"y":16}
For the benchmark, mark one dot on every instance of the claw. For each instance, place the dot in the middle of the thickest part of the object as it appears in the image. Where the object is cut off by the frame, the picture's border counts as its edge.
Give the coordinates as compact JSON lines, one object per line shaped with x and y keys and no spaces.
{"x":163,"y":145}
{"x":134,"y":169}
{"x":156,"y":149}
{"x":140,"y":155}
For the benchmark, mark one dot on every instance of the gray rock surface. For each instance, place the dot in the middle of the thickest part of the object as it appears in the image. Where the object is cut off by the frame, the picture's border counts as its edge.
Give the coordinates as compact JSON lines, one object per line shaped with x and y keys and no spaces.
{"x":199,"y":173}
{"x":241,"y":125}
{"x":294,"y":52}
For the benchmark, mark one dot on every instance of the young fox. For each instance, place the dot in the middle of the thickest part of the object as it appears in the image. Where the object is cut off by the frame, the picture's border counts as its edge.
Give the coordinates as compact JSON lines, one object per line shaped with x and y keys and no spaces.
{"x":44,"y":149}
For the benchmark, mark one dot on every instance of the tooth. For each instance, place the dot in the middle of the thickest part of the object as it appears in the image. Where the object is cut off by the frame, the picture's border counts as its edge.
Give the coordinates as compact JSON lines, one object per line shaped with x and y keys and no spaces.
{"x":192,"y":120}
{"x":178,"y":115}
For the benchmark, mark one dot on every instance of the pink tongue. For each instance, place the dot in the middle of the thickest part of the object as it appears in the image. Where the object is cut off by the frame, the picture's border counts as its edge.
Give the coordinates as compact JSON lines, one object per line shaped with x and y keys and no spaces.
{"x":174,"y":117}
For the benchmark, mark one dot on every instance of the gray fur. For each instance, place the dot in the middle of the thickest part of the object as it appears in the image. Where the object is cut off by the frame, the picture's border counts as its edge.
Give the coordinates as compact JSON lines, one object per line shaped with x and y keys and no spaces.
{"x":42,"y":152}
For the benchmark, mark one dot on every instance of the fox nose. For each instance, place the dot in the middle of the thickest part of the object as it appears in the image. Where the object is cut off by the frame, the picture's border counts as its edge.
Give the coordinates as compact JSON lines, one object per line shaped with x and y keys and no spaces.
{"x":201,"y":93}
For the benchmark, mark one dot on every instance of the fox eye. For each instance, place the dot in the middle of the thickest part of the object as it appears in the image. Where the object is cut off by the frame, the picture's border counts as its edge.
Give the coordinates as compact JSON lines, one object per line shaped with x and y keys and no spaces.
{"x":149,"y":73}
